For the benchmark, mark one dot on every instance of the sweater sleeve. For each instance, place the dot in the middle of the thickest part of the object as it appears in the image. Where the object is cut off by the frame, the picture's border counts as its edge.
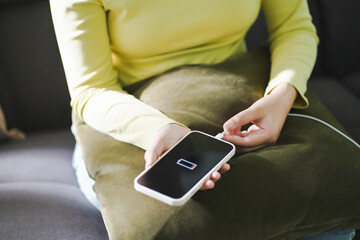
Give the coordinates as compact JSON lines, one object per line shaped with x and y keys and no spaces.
{"x":293,"y":45}
{"x":96,"y":94}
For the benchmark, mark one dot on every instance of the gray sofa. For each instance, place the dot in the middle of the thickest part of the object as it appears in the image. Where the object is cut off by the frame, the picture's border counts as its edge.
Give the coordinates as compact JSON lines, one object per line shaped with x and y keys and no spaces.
{"x":39,"y":196}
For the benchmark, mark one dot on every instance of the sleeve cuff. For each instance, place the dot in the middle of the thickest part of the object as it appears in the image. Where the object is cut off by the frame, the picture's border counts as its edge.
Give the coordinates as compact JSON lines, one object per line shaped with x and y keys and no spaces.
{"x":286,"y":77}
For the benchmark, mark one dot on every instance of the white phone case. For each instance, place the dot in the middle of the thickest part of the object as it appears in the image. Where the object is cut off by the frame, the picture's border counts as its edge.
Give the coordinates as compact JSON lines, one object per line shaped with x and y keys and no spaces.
{"x":180,"y":201}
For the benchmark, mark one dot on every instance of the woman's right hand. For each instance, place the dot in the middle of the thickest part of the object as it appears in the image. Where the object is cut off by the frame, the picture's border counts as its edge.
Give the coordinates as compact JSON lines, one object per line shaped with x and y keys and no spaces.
{"x":167,"y":137}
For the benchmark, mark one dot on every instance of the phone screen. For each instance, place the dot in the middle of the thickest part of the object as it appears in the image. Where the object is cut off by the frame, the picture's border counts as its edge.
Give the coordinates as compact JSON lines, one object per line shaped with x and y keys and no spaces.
{"x":185,"y":165}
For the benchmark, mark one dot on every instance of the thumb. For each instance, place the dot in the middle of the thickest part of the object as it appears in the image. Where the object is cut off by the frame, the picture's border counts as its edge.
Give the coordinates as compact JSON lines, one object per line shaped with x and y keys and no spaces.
{"x":152,"y":154}
{"x":150,"y":158}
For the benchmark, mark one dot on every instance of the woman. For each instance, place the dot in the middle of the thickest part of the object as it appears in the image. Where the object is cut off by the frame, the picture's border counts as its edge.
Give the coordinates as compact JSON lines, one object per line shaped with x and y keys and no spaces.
{"x":107,"y":46}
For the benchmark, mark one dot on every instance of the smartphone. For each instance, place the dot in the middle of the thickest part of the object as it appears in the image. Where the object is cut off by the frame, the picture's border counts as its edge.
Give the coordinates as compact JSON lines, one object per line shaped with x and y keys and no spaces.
{"x":177,"y":175}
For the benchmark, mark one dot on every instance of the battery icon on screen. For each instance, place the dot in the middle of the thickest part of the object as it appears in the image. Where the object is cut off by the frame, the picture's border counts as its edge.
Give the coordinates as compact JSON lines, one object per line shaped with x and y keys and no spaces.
{"x":186,"y":164}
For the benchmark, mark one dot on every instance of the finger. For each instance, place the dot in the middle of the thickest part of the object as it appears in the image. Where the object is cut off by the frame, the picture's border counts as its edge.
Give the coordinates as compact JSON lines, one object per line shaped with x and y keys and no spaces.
{"x":224,"y":168}
{"x":253,"y":128}
{"x":244,"y":133}
{"x":252,"y":139}
{"x":150,"y":159}
{"x":237,"y":131}
{"x":153,"y":153}
{"x":215,"y":176}
{"x":242,"y":118}
{"x":208,"y":184}
{"x":16,"y":134}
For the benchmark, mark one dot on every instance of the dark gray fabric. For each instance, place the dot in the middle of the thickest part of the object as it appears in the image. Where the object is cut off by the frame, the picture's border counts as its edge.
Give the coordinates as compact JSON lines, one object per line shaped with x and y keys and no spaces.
{"x":357,"y":235}
{"x":33,"y":91}
{"x":43,"y":157}
{"x":352,"y":82}
{"x":14,"y":2}
{"x":341,"y":35}
{"x":315,"y":11}
{"x":43,"y":211}
{"x":340,"y":101}
{"x":257,"y":34}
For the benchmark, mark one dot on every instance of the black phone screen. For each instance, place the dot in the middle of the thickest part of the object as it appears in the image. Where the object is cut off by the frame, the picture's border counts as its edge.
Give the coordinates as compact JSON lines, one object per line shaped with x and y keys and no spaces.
{"x":185,"y":165}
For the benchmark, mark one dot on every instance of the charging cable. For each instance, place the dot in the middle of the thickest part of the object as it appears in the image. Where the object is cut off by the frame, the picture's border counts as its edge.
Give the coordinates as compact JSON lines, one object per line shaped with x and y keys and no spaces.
{"x":326,"y":124}
{"x":221,"y":135}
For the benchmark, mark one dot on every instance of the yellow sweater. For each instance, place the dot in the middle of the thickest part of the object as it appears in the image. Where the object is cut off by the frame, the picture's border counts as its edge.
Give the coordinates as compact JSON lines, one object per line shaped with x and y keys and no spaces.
{"x":107,"y":44}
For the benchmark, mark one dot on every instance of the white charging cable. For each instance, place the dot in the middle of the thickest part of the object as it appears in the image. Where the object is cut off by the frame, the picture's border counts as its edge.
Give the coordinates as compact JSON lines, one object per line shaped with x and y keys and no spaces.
{"x":221,"y":135}
{"x":326,"y":124}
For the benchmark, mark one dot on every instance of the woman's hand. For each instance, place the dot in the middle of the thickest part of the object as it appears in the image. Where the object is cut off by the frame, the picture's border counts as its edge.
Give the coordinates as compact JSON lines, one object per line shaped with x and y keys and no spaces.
{"x":166,"y":137}
{"x":267,"y":116}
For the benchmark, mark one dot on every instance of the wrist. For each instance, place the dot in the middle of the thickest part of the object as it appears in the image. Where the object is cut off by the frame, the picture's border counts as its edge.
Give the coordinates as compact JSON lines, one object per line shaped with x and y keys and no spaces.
{"x":173,"y":129}
{"x":286,"y":92}
{"x":180,"y":125}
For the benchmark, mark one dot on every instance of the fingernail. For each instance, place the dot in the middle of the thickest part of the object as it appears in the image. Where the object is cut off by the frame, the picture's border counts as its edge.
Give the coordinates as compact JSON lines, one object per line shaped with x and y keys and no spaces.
{"x":146,"y":156}
{"x":150,"y":158}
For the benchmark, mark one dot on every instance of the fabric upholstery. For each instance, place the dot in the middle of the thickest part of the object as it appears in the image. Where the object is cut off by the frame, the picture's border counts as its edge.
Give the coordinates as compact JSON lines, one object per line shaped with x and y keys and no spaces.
{"x":33,"y":91}
{"x":352,"y":82}
{"x":340,"y":36}
{"x":39,"y":194}
{"x":43,"y":210}
{"x":43,"y":157}
{"x":315,"y":11}
{"x":280,"y":192}
{"x":14,"y":2}
{"x":336,"y":97}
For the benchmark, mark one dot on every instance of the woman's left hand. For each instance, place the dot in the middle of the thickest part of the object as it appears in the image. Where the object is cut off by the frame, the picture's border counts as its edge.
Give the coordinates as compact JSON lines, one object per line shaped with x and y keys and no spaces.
{"x":267,"y":116}
{"x":168,"y":136}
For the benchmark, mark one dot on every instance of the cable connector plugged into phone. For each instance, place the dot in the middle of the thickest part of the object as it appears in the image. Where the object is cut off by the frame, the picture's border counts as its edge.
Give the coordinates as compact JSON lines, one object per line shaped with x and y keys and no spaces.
{"x":221,"y":135}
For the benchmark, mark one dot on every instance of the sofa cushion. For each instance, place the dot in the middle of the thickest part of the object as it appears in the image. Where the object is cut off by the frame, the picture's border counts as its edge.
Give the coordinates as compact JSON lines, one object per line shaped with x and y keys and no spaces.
{"x":341,"y":101}
{"x":42,"y":157}
{"x":42,"y":211}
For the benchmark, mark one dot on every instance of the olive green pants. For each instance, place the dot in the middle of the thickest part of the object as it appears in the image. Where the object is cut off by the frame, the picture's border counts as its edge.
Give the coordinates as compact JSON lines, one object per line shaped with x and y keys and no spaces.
{"x":284,"y":191}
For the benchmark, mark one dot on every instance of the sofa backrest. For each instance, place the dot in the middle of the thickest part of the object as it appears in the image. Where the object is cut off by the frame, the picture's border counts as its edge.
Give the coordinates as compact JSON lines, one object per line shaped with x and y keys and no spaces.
{"x":338,"y":27}
{"x":33,"y":91}
{"x":340,"y":34}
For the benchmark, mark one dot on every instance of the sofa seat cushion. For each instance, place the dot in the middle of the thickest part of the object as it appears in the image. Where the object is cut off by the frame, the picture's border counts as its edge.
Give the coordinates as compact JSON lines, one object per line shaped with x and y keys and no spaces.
{"x":42,"y":211}
{"x":341,"y":101}
{"x":42,"y":157}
